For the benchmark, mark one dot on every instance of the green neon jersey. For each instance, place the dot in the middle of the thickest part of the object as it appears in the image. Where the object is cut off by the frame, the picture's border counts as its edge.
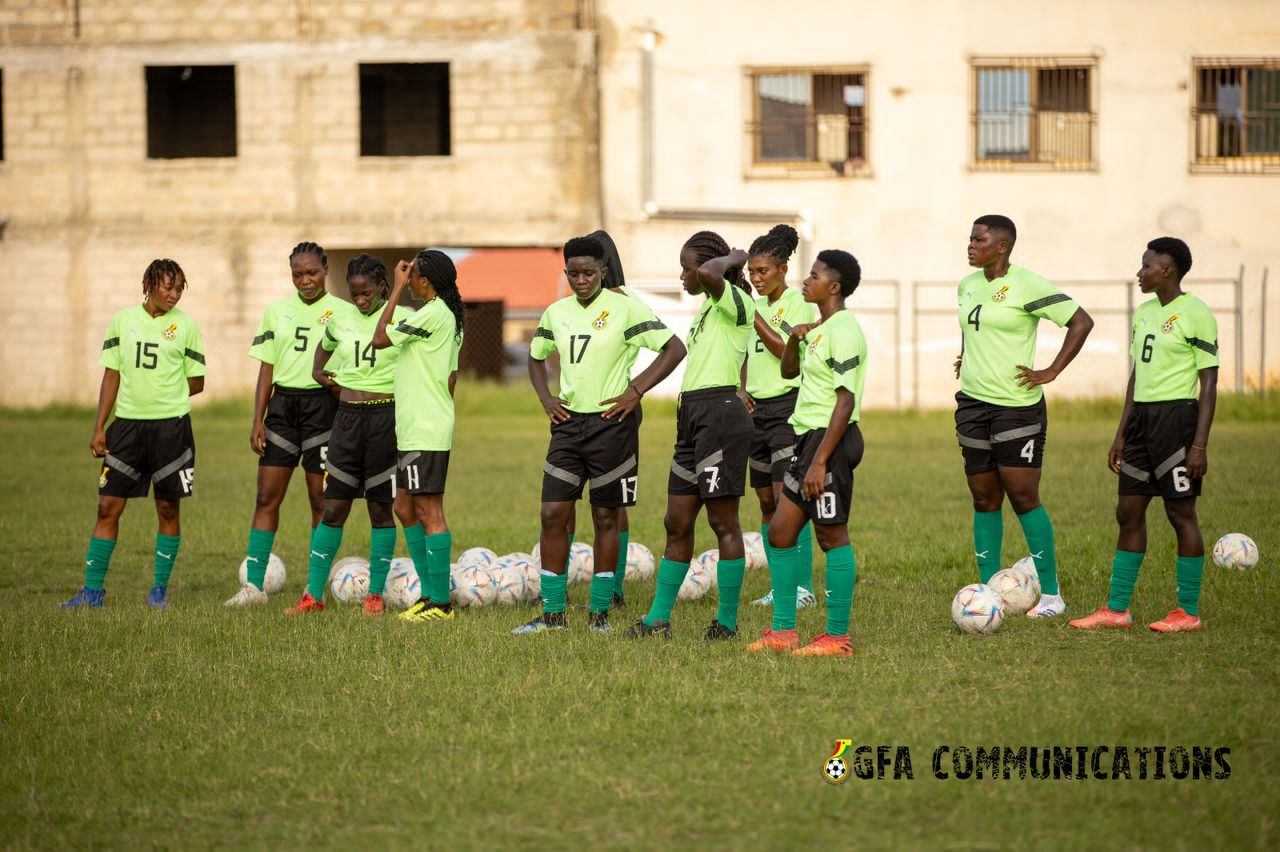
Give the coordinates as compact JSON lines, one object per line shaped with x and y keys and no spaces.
{"x":154,"y":357}
{"x":288,"y":336}
{"x":1171,"y":344}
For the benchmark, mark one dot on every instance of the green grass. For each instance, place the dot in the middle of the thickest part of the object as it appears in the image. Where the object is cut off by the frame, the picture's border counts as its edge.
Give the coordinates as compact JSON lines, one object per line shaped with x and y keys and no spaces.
{"x":205,"y":727}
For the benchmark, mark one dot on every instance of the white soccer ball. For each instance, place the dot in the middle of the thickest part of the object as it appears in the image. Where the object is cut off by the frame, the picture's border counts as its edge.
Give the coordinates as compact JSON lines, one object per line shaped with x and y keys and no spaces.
{"x":696,"y":583}
{"x":473,"y":589}
{"x":581,"y":562}
{"x":403,"y":587}
{"x":640,"y":564}
{"x":977,"y":609}
{"x":521,"y":565}
{"x":349,"y":580}
{"x":1235,"y":550}
{"x":1025,"y":565}
{"x":753,"y":543}
{"x":274,"y":580}
{"x":476,"y":557}
{"x":1018,"y":589}
{"x":710,"y":561}
{"x":509,"y":585}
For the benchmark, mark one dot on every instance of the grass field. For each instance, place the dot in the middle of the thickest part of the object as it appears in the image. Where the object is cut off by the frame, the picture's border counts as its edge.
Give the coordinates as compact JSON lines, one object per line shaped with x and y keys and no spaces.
{"x":200,"y":726}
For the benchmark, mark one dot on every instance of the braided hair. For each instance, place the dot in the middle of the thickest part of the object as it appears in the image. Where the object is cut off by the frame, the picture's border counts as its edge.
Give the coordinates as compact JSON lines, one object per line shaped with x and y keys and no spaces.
{"x":614,"y":278}
{"x":161,"y":270}
{"x":438,"y":269}
{"x":310,"y":248}
{"x":780,"y":243}
{"x":371,"y":268}
{"x":846,"y":265}
{"x":708,"y":245}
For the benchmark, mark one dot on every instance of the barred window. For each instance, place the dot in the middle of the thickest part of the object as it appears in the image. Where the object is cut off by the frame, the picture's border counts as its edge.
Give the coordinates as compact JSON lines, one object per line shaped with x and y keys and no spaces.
{"x":1034,"y":112}
{"x":1237,"y":114}
{"x":808,"y":120}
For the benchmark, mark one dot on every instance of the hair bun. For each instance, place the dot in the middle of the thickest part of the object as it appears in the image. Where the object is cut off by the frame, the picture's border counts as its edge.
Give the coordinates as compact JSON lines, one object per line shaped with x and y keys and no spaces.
{"x":786,"y":235}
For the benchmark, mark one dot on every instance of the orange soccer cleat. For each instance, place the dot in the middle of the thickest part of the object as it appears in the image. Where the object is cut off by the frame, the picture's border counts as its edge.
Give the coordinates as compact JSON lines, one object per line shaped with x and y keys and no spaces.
{"x":826,"y":645}
{"x":305,"y":605}
{"x":373,"y":605}
{"x":1103,"y":617}
{"x":776,"y":640}
{"x":1177,"y":621}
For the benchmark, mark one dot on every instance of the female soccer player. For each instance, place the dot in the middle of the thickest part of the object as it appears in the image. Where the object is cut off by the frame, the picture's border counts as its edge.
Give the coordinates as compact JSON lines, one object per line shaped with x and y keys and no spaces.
{"x":362,"y":448}
{"x":153,"y":363}
{"x":1001,"y":420}
{"x":1161,"y":443}
{"x":830,"y":356}
{"x":595,"y":420}
{"x":292,"y":412}
{"x":428,"y":340}
{"x":713,"y":435}
{"x":769,"y":397}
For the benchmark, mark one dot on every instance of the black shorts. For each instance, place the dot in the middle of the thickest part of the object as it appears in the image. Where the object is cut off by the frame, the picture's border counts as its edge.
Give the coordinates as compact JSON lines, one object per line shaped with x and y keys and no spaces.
{"x":140,"y":452}
{"x":588,"y":447}
{"x":1156,"y":443}
{"x":713,"y":440}
{"x":298,"y":424}
{"x":422,"y":471}
{"x":994,"y":436}
{"x":362,"y":452}
{"x":831,"y":507}
{"x":774,"y":441}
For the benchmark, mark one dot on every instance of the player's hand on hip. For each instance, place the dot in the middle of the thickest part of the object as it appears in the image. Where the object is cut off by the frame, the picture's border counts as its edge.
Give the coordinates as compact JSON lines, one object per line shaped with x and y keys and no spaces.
{"x":815,"y":480}
{"x":554,"y":406}
{"x":98,"y":443}
{"x":1115,"y":454}
{"x":623,"y":404}
{"x":748,"y":401}
{"x":1197,"y":462}
{"x":959,"y":359}
{"x":1029,"y":378}
{"x":258,"y":439}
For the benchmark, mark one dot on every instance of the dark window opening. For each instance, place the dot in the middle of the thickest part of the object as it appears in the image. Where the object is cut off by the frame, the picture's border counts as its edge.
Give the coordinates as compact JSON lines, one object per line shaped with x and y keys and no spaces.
{"x":404,"y":110}
{"x":191,"y":111}
{"x":808,"y":117}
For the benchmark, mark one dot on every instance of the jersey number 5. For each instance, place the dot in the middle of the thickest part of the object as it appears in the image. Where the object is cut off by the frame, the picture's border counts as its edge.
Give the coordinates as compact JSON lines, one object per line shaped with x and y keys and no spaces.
{"x":974,"y":318}
{"x":578,"y":347}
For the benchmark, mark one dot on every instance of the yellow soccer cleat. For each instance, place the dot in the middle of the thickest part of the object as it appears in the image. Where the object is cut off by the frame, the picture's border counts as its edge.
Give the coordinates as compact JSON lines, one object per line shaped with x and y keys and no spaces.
{"x":427,"y":610}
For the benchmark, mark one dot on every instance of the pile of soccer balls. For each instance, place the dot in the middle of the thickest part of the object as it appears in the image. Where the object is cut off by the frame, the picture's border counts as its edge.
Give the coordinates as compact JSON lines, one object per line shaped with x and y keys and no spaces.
{"x":981,"y":608}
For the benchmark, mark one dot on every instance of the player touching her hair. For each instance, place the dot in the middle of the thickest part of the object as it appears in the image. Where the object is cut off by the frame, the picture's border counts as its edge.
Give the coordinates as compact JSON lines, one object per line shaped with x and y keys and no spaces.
{"x":153,"y":363}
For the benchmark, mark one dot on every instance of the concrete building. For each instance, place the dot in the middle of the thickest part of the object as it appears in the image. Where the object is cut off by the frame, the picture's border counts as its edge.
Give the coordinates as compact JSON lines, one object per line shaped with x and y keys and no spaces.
{"x":880,"y":128}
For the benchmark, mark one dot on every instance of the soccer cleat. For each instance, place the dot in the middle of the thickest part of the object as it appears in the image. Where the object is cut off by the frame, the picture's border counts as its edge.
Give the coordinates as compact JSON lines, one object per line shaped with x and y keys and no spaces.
{"x":618,"y":601}
{"x":158,"y":597}
{"x":767,"y":600}
{"x":427,"y":610}
{"x":1048,"y":607}
{"x":826,"y":645}
{"x":305,"y":605}
{"x":543,"y":623}
{"x":92,"y":598}
{"x":805,"y":598}
{"x":598,"y":622}
{"x":373,"y":605}
{"x":1104,"y":617}
{"x":248,"y":595}
{"x":717,"y":631}
{"x":1177,"y":621}
{"x":640,"y":630}
{"x":776,"y":640}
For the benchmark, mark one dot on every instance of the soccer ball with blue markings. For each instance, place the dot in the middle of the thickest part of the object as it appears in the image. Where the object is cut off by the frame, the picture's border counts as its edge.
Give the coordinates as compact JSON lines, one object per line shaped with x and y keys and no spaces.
{"x":403,"y":587}
{"x":472,"y":589}
{"x":977,"y":609}
{"x":1235,"y":550}
{"x":753,"y":544}
{"x":1019,"y":589}
{"x":1025,"y":565}
{"x":274,"y":580}
{"x":696,"y":582}
{"x":640,"y":562}
{"x":581,"y":562}
{"x":476,"y":557}
{"x":710,"y":561}
{"x":349,"y":580}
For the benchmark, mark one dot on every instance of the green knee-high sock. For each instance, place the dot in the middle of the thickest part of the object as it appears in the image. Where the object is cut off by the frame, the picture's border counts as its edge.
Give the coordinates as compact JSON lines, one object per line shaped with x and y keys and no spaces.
{"x":258,"y":554}
{"x":166,"y":555}
{"x":1124,"y":573}
{"x":784,"y":564}
{"x":988,"y":538}
{"x":601,"y":591}
{"x":439,"y":547}
{"x":325,"y":541}
{"x":804,"y":568}
{"x":1189,"y":571}
{"x":382,"y":548}
{"x":620,"y":570}
{"x":1038,"y":530}
{"x":415,"y":538}
{"x":97,"y":561}
{"x":553,"y":588}
{"x":670,"y":577}
{"x":842,"y":573}
{"x":729,"y":578}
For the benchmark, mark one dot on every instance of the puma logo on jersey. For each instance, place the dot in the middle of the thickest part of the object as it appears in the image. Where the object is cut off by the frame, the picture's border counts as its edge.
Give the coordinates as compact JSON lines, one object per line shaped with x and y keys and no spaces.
{"x":1167,"y":325}
{"x":325,"y":317}
{"x":171,"y":332}
{"x":602,"y":320}
{"x":999,"y":295}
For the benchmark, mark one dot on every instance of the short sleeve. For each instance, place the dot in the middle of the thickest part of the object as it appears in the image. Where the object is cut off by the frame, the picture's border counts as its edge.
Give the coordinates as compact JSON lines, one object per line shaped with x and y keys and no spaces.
{"x":735,"y":304}
{"x":544,"y":341}
{"x":419,"y":325}
{"x":1047,"y":301}
{"x":264,"y":343}
{"x":457,"y":348}
{"x":644,"y":329}
{"x":193,"y":354}
{"x":110,"y":357}
{"x":1204,"y":343}
{"x":330,"y":340}
{"x":848,"y":350}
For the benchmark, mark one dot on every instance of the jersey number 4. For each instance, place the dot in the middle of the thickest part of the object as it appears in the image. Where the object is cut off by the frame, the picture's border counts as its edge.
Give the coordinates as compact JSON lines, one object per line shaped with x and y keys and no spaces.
{"x":975,"y":318}
{"x":578,"y":347}
{"x":368,"y":354}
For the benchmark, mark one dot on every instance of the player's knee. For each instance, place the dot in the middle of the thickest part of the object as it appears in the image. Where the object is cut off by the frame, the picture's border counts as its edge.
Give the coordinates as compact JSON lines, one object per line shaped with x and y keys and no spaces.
{"x":677,"y":526}
{"x":1128,"y":518}
{"x":724,"y":525}
{"x":109,"y":509}
{"x":1023,"y":502}
{"x":555,"y":516}
{"x":167,"y":510}
{"x":604,"y":518}
{"x":1181,"y":514}
{"x":768,"y":505}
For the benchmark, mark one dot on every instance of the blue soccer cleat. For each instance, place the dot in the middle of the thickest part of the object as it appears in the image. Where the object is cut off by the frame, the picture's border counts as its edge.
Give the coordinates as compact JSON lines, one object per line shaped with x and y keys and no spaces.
{"x":86,"y":597}
{"x":157,"y":597}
